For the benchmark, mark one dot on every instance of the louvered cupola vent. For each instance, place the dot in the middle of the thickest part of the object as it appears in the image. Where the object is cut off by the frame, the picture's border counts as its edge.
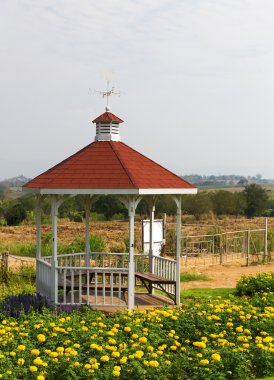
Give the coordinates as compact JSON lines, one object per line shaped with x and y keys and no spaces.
{"x":107,"y":127}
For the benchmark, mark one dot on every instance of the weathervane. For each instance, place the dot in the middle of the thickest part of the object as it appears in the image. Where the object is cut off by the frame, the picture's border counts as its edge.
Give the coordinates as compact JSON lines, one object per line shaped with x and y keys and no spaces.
{"x":107,"y":93}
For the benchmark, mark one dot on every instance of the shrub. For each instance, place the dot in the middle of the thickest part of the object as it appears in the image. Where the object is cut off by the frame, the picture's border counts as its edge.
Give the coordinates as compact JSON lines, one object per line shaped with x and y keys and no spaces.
{"x":250,"y":285}
{"x":97,"y":244}
{"x":15,"y":215}
{"x":75,"y":216}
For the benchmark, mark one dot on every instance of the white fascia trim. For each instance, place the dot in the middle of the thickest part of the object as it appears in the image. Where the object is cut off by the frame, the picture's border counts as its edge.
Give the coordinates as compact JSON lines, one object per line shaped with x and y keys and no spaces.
{"x":112,"y":191}
{"x":167,"y":191}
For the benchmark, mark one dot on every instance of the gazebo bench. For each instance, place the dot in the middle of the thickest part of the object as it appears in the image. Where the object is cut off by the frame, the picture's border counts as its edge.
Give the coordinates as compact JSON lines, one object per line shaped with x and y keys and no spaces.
{"x":149,"y":279}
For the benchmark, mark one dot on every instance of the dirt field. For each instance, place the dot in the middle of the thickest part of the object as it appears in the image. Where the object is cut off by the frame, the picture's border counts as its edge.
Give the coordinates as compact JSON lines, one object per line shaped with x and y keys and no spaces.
{"x":225,"y":276}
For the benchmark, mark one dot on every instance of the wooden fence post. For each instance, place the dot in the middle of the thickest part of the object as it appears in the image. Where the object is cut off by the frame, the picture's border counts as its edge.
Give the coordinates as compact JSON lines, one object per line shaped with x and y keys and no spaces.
{"x":265,"y":241}
{"x":221,"y":249}
{"x":4,"y":267}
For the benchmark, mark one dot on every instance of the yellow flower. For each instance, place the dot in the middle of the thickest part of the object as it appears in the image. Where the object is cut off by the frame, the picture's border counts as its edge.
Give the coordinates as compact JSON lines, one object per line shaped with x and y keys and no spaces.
{"x":115,"y":354}
{"x":143,"y":339}
{"x":138,"y":354}
{"x":41,"y":337}
{"x":35,"y":352}
{"x":21,"y":347}
{"x":153,"y":363}
{"x":104,"y":358}
{"x":20,"y":361}
{"x":116,"y":373}
{"x":216,"y":357}
{"x":33,"y":368}
{"x":38,"y":361}
{"x":199,"y":344}
{"x":76,"y":364}
{"x":204,"y":362}
{"x":40,"y":377}
{"x":53,"y":354}
{"x":239,"y":329}
{"x":12,"y":353}
{"x":123,"y":360}
{"x":134,"y":336}
{"x":87,"y":366}
{"x":60,"y":349}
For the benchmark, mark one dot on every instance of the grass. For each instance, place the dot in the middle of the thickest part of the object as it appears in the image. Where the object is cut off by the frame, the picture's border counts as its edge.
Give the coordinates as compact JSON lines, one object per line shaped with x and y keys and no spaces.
{"x":21,"y":281}
{"x":187,"y":277}
{"x":207,"y":293}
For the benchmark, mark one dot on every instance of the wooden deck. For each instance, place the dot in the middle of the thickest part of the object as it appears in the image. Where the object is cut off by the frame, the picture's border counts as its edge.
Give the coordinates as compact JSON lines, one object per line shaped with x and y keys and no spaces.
{"x":142,"y":301}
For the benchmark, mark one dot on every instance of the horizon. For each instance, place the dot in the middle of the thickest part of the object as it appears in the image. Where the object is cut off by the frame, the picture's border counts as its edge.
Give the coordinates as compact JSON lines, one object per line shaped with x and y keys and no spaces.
{"x":181,"y":175}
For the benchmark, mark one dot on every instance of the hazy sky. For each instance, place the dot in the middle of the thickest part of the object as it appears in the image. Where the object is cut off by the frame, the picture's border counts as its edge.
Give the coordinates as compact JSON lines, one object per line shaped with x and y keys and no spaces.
{"x":197,"y":81}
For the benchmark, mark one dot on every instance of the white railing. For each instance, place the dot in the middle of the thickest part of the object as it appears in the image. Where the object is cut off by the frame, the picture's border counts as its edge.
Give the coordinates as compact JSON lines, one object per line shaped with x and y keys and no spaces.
{"x":43,"y":277}
{"x":103,"y":281}
{"x":165,"y":268}
{"x":92,"y":286}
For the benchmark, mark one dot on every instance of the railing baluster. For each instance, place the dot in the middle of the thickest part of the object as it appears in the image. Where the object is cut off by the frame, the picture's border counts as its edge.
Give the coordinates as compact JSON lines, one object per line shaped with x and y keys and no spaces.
{"x":80,"y":286}
{"x":88,"y":282}
{"x":104,"y":287}
{"x":111,"y":288}
{"x":65,"y":285}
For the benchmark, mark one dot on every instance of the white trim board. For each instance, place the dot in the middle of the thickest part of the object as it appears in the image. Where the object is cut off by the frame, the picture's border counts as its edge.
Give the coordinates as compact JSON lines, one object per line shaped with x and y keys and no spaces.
{"x":164,"y":191}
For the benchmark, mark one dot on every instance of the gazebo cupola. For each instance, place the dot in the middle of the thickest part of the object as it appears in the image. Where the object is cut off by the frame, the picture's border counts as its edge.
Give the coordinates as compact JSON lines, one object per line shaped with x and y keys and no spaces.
{"x":107,"y":127}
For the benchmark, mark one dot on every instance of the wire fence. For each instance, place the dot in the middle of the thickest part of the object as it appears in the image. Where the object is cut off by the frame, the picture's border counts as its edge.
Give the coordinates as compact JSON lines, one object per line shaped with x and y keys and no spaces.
{"x":245,"y":246}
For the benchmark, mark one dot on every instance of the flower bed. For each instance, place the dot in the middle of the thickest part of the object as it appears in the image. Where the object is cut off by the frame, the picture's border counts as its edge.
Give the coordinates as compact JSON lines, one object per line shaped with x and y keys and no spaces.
{"x":220,"y":339}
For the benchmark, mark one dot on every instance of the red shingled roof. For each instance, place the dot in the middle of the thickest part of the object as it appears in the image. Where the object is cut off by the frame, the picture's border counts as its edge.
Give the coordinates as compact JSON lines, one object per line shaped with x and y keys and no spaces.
{"x":107,"y":116}
{"x":108,"y":165}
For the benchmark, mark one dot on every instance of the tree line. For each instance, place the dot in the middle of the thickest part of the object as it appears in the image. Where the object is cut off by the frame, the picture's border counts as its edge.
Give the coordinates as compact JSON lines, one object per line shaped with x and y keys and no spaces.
{"x":252,"y":201}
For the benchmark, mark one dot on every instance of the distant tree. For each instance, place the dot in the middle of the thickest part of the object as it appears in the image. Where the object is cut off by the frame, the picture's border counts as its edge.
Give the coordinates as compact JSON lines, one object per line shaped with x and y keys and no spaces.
{"x":15,"y":214}
{"x":223,"y":202}
{"x":243,"y":182}
{"x":109,"y":205}
{"x":239,"y":203}
{"x":256,"y":200}
{"x":197,"y":205}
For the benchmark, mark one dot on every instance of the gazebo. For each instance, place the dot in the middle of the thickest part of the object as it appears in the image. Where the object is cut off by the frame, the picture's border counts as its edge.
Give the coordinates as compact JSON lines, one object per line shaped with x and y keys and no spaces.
{"x":107,"y":166}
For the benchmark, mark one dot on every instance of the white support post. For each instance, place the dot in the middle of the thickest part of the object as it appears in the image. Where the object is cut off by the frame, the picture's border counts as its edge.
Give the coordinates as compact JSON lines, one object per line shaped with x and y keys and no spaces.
{"x":54,"y":285}
{"x":131,"y":269}
{"x":38,"y":227}
{"x":87,"y":245}
{"x":178,"y":202}
{"x":151,"y":235}
{"x":131,"y":203}
{"x":38,"y":239}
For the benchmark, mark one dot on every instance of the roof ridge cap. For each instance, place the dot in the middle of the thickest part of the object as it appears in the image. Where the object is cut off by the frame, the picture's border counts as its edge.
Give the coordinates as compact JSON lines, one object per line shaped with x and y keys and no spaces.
{"x":130,"y":176}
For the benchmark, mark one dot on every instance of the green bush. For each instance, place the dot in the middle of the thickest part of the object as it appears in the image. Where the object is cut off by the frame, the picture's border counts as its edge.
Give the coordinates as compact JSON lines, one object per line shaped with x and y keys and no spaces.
{"x":97,"y":244}
{"x":15,"y":215}
{"x":250,"y":285}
